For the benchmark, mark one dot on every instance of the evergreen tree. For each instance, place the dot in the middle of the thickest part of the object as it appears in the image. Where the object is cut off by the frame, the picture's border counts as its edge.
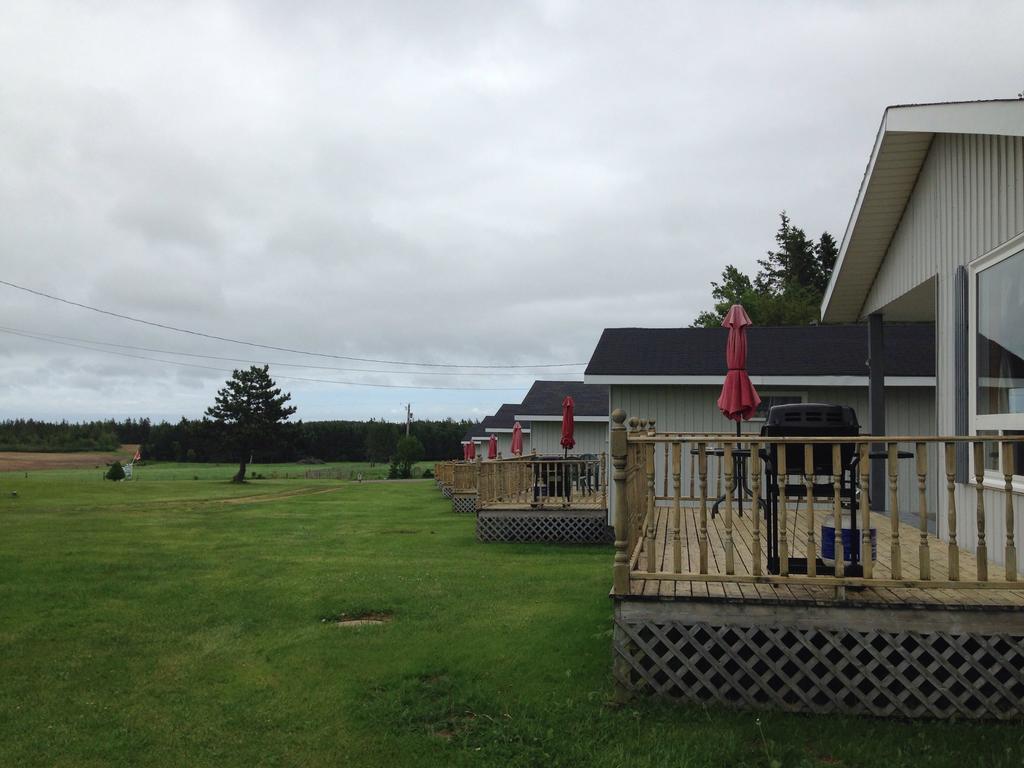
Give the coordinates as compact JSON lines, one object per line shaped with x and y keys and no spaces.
{"x":116,"y":472}
{"x":788,"y":288}
{"x":251,"y":409}
{"x":381,"y":441}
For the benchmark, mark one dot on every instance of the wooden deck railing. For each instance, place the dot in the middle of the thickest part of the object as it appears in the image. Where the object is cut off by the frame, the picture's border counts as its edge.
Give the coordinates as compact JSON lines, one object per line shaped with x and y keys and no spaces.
{"x":464,"y":477}
{"x":444,"y":472}
{"x":529,"y":481}
{"x":822,"y":474}
{"x":538,"y":482}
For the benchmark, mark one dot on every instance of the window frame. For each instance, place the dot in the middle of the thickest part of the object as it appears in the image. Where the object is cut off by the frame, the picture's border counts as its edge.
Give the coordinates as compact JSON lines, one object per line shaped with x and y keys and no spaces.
{"x":780,"y":393}
{"x":998,"y":422}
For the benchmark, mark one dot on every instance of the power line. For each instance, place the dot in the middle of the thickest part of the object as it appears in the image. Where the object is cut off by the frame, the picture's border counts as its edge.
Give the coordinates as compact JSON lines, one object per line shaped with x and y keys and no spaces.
{"x":42,"y":335}
{"x":288,"y":378}
{"x":166,"y":327}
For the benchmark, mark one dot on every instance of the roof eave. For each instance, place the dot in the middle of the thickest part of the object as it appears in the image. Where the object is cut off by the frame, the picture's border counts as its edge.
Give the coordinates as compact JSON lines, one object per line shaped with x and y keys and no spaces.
{"x":998,"y":117}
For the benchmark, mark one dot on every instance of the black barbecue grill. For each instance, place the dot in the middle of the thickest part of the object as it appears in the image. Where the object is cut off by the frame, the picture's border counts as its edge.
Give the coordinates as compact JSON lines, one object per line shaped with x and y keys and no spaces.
{"x":810,"y":420}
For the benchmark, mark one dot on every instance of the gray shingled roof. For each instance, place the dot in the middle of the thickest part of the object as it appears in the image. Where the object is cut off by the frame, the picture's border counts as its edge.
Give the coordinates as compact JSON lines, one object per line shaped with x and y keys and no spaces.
{"x":545,"y":398}
{"x":476,"y":430}
{"x":504,"y":418}
{"x":810,"y":350}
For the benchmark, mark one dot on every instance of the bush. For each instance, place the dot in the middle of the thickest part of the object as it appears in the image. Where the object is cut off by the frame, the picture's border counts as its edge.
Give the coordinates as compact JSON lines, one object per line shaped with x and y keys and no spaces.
{"x":428,"y":474}
{"x":116,"y":472}
{"x":409,"y":451}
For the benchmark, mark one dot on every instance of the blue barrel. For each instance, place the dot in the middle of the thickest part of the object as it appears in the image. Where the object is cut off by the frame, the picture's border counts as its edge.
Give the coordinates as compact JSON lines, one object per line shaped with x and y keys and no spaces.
{"x":850,"y":543}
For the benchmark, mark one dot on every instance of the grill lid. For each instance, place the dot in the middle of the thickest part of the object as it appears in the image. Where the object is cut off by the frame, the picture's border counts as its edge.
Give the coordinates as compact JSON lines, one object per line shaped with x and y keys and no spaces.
{"x":807,"y":418}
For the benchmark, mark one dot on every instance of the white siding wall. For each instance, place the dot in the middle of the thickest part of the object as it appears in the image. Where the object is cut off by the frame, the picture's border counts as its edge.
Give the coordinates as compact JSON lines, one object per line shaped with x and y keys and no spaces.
{"x":969,"y":198}
{"x":591,"y":437}
{"x":909,"y":411}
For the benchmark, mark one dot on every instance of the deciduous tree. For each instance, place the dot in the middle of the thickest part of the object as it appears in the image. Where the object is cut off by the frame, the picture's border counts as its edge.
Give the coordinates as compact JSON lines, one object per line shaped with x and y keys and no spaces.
{"x":408,"y":452}
{"x":788,"y":288}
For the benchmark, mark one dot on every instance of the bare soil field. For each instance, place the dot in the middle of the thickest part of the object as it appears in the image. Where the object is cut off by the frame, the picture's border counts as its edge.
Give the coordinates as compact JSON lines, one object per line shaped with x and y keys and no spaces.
{"x":24,"y":461}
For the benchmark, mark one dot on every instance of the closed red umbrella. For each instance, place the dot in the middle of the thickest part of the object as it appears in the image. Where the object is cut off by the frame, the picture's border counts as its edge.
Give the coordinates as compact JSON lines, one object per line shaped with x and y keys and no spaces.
{"x":471,"y":450}
{"x":465,"y":451}
{"x":568,"y":425}
{"x":492,"y":447}
{"x":739,"y":399}
{"x":517,"y":439}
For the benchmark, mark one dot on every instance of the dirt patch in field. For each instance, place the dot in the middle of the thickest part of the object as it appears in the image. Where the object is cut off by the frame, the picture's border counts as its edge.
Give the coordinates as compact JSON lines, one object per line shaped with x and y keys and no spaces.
{"x":26,"y":461}
{"x":365,"y":619}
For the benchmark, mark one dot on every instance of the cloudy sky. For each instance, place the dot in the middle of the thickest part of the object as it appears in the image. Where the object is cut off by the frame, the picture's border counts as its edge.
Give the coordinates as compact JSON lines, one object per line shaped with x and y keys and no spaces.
{"x":469,"y":183}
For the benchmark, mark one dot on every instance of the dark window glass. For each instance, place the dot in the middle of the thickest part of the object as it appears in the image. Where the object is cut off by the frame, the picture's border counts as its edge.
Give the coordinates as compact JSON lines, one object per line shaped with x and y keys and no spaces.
{"x":993,"y":460}
{"x":767,"y":401}
{"x":1000,"y":337}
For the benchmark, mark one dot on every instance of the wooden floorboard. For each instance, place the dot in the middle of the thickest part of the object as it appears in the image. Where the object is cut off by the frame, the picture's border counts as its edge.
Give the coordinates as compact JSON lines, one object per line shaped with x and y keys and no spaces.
{"x":909,"y":539}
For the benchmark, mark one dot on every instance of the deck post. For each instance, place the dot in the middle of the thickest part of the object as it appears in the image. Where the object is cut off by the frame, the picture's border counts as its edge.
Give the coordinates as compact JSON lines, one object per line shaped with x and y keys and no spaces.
{"x":812,"y":547}
{"x":677,"y":489}
{"x":1011,"y":546}
{"x":702,"y":532}
{"x":894,"y":511}
{"x":755,"y":514}
{"x":837,"y":515}
{"x":863,"y":469}
{"x":953,"y":566}
{"x":780,"y":479}
{"x":979,"y":495}
{"x":924,"y":564}
{"x":478,"y":463}
{"x":604,"y":479}
{"x":618,"y":445}
{"x":876,"y":405}
{"x":652,"y":510}
{"x":665,"y":479}
{"x":730,"y":553}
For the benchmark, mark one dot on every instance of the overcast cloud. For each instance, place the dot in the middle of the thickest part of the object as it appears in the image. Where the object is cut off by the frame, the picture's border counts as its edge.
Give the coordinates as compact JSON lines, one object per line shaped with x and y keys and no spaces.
{"x":460,"y":182}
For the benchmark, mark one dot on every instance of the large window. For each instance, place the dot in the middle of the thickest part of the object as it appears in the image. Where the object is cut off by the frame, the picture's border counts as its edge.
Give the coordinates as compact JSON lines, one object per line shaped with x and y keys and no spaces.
{"x":998,"y":360}
{"x":1000,"y":337}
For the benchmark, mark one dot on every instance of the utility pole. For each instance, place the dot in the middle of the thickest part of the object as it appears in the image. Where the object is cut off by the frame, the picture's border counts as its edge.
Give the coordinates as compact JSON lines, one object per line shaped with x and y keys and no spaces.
{"x":408,"y":417}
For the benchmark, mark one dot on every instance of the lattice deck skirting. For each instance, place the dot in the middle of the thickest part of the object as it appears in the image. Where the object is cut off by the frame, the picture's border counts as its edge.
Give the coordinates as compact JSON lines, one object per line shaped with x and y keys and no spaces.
{"x":588,"y":526}
{"x":463,"y":503}
{"x":446,"y":491}
{"x":883,"y":662}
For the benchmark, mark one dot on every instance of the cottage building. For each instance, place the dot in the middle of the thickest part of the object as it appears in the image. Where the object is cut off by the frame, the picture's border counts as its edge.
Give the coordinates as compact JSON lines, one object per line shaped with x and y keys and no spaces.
{"x":937,"y":235}
{"x":475,"y":434}
{"x":933,"y":261}
{"x":542,"y":407}
{"x":500,"y":424}
{"x":675,"y":375}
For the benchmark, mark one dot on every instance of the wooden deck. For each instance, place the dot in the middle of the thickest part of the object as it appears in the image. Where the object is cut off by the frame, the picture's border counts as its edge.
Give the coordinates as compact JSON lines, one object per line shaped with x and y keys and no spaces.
{"x":952,"y":599}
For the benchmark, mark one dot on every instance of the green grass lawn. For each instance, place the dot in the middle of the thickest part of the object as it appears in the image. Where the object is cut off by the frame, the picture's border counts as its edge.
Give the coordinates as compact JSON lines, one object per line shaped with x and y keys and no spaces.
{"x":172,"y":470}
{"x":170,"y":621}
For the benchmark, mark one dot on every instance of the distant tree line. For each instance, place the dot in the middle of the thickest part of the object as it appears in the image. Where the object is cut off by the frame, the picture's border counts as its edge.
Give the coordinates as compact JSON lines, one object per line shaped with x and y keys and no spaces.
{"x":787,"y":289}
{"x":42,"y":436}
{"x":204,"y":440}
